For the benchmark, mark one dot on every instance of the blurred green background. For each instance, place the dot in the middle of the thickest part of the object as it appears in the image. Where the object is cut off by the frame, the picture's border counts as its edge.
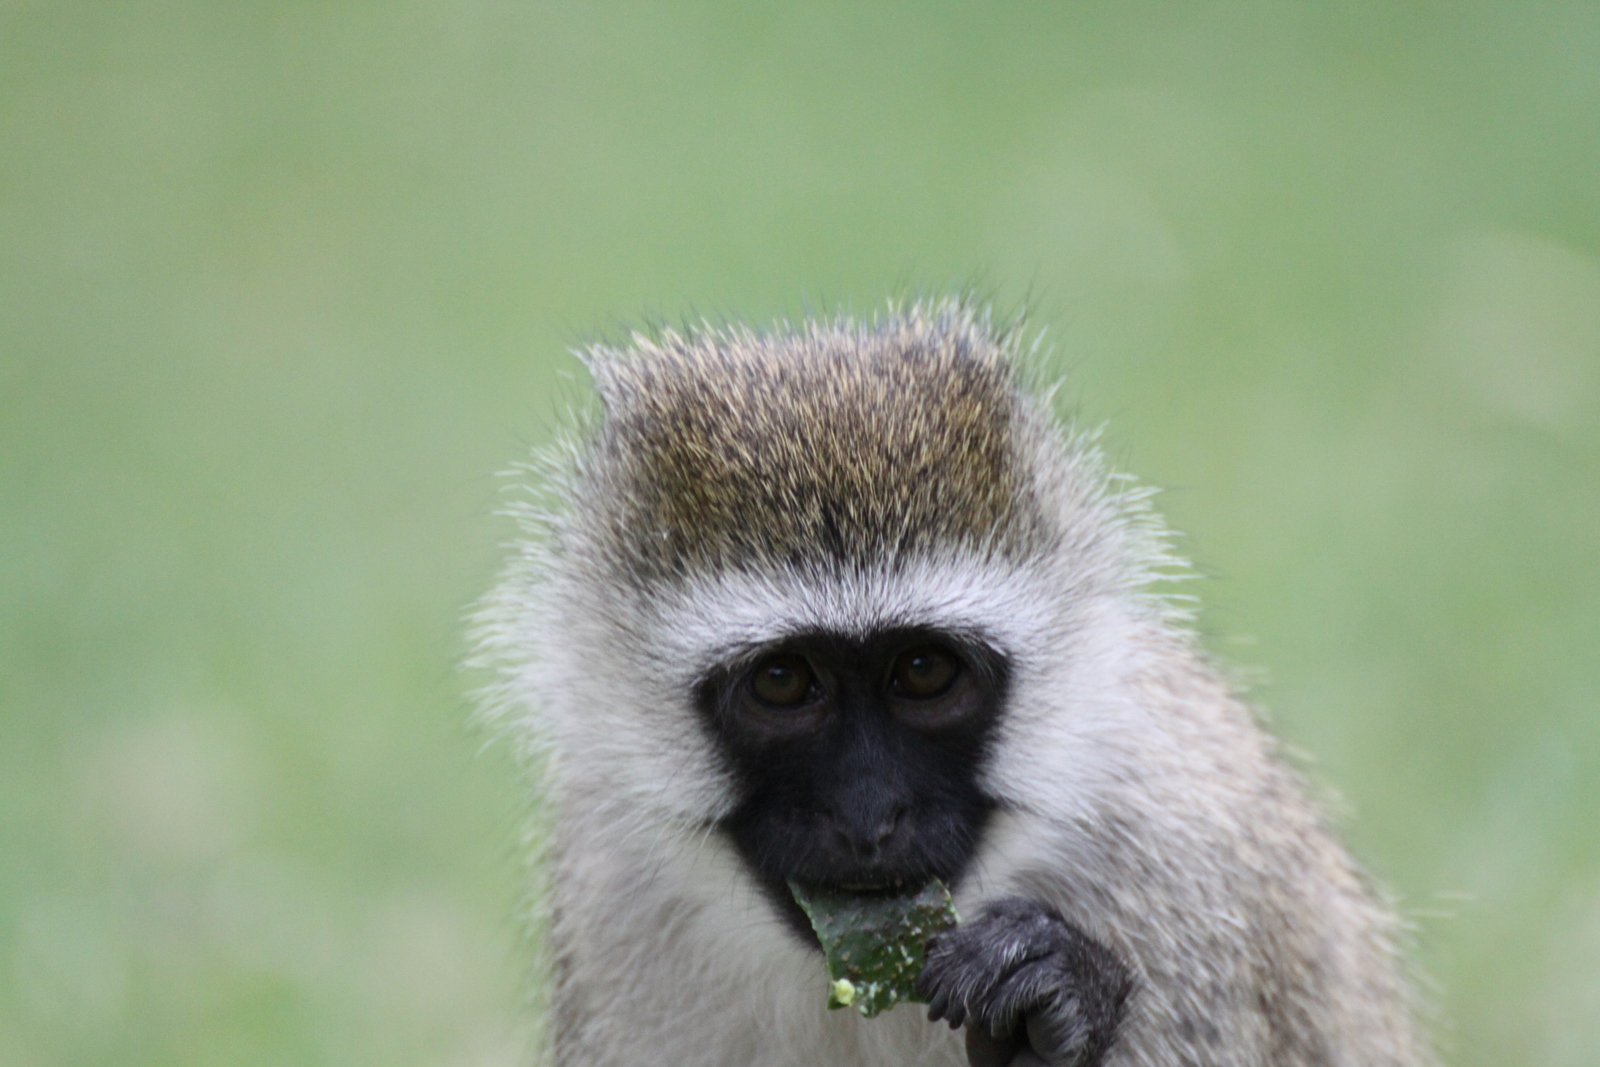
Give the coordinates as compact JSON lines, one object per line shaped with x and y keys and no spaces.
{"x":282,"y":285}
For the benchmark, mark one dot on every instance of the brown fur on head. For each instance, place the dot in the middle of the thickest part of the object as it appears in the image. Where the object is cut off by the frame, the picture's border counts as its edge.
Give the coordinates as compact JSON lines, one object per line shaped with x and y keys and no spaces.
{"x":834,"y":443}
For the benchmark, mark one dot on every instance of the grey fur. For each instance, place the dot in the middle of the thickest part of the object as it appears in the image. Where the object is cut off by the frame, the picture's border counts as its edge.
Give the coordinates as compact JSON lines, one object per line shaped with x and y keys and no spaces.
{"x":738,"y":487}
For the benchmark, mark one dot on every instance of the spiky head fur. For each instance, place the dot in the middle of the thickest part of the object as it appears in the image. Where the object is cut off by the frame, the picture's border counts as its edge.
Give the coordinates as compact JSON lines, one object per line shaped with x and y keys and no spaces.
{"x":836,"y":444}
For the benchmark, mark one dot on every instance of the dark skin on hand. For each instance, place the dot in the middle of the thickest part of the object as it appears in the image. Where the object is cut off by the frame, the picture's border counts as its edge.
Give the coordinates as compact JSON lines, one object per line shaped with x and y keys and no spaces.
{"x":1009,"y":1051}
{"x":1029,"y":987}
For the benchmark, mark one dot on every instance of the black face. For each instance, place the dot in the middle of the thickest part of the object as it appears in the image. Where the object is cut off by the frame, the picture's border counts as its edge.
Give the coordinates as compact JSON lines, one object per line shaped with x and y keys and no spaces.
{"x":858,"y":760}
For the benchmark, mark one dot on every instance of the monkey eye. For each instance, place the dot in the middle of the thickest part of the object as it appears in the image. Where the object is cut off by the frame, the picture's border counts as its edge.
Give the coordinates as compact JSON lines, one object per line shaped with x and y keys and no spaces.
{"x":782,"y":681}
{"x":923,"y":673}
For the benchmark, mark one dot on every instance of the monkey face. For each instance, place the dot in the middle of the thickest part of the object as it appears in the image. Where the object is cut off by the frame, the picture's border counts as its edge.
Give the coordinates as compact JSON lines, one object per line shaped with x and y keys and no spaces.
{"x":857,"y":761}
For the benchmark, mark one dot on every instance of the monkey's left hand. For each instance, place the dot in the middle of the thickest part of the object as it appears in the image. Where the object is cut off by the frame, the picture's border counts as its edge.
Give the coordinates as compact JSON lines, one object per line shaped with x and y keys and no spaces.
{"x":1031,"y":988}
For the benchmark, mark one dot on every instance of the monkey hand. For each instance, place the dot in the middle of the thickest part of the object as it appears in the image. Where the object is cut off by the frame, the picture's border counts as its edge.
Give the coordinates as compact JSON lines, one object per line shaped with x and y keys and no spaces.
{"x":1032,"y":989}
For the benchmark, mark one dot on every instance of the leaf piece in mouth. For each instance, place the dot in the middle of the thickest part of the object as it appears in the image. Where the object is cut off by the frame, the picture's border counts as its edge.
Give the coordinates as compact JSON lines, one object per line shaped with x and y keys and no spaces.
{"x":875,"y":942}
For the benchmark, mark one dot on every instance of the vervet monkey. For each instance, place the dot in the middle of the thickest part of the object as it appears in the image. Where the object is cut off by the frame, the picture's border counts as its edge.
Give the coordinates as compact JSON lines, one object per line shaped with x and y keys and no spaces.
{"x":843,"y":603}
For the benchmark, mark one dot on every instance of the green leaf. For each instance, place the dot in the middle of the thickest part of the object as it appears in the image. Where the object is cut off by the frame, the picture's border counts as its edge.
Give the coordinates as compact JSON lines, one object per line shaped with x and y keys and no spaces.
{"x":875,"y":942}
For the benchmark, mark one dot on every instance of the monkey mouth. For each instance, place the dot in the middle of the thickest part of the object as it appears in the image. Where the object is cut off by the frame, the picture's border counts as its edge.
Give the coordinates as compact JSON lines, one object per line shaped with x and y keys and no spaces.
{"x":890,"y":885}
{"x":906,"y":870}
{"x":868,"y":883}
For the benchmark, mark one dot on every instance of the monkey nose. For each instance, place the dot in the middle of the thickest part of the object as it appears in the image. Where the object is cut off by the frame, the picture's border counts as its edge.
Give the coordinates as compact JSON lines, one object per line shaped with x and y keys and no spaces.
{"x":866,"y":833}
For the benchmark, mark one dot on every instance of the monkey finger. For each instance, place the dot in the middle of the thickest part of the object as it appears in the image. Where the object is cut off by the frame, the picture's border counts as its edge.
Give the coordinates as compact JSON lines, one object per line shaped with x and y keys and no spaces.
{"x":1009,"y":1002}
{"x":939,"y":1006}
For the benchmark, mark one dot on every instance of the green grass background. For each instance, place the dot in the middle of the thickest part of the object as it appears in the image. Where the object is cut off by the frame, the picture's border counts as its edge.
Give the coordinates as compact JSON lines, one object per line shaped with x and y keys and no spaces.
{"x":282,"y":285}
